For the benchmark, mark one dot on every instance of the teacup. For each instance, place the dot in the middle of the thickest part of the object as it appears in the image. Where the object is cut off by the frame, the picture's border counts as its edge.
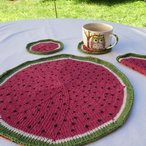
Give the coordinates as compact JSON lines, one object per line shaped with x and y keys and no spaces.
{"x":97,"y":37}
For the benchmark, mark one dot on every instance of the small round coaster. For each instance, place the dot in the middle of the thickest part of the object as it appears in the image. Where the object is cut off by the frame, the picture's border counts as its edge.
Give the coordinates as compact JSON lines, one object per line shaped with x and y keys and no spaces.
{"x":44,"y":47}
{"x":84,"y":49}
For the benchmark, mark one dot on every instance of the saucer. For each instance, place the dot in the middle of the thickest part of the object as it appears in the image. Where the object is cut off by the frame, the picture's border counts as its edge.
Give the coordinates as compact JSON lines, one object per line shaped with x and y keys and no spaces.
{"x":84,"y":49}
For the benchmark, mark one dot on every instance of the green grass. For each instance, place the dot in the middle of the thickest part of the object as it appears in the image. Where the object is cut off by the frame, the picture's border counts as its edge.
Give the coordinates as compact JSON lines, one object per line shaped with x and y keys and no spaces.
{"x":130,"y":12}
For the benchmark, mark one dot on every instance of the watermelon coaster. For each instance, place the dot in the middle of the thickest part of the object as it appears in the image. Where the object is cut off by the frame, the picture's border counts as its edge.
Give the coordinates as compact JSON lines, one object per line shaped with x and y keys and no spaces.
{"x":63,"y":100}
{"x":136,"y":62}
{"x":44,"y":47}
{"x":86,"y":50}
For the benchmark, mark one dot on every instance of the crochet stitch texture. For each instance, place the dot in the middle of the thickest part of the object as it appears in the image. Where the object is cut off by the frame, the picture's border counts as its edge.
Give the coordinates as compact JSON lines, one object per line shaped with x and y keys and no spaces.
{"x":63,"y":100}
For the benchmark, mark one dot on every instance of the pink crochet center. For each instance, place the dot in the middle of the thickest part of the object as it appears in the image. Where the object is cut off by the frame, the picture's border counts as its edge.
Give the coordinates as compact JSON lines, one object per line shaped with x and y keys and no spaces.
{"x":137,"y":64}
{"x":60,"y":99}
{"x":44,"y":46}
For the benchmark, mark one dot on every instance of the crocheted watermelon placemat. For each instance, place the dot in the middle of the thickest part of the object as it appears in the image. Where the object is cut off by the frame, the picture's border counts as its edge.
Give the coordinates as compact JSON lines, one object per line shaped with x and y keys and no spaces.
{"x":136,"y":62}
{"x":63,"y":100}
{"x":86,"y":50}
{"x":44,"y":47}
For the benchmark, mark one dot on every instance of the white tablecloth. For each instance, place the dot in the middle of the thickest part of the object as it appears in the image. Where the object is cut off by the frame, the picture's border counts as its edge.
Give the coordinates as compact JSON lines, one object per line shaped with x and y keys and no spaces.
{"x":15,"y":35}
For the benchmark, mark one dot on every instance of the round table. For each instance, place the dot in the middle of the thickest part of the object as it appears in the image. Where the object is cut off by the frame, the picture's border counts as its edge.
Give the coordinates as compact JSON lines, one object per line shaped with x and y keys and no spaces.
{"x":15,"y":35}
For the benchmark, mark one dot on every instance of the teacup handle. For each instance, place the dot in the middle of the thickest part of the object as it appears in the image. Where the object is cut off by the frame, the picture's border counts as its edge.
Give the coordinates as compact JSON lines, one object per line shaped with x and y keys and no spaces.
{"x":116,"y":41}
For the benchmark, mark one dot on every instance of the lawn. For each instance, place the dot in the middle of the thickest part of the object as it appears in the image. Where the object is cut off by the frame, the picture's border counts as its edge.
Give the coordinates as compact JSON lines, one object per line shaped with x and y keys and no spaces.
{"x":130,"y":12}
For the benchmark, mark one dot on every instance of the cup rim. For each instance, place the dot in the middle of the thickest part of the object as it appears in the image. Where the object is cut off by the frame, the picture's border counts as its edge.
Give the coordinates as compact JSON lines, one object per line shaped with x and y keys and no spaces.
{"x":85,"y":27}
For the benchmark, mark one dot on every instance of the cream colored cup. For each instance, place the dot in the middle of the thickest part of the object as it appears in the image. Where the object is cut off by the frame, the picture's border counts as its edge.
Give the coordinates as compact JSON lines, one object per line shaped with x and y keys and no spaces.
{"x":98,"y":36}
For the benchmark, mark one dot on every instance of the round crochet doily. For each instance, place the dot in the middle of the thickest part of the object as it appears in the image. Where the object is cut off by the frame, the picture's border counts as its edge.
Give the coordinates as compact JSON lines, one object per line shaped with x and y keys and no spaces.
{"x":44,"y":47}
{"x":63,"y":100}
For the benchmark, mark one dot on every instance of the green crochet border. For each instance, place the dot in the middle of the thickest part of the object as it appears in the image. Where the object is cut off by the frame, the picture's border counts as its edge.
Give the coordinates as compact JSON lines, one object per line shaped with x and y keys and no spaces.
{"x":98,"y":52}
{"x":28,"y":47}
{"x":130,"y":55}
{"x":21,"y":139}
